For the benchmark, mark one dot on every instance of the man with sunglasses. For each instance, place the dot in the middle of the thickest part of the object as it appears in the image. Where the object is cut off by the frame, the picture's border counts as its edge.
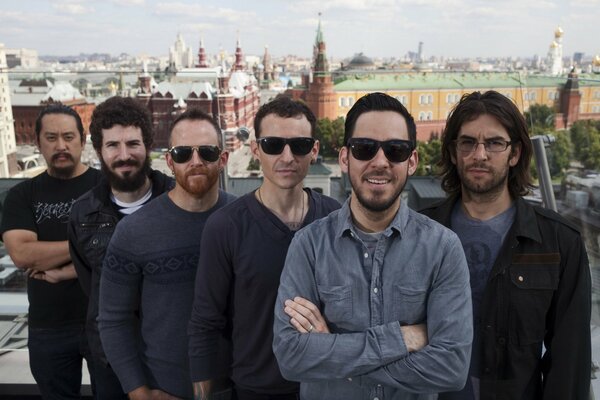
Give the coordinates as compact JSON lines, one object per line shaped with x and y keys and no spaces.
{"x":121,"y":133}
{"x":374,"y":299}
{"x":243,"y":251}
{"x":530,"y":278}
{"x":147,"y":282}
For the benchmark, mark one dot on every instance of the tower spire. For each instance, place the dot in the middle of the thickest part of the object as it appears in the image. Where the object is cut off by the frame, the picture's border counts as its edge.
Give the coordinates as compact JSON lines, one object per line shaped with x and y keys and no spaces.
{"x":239,"y":56}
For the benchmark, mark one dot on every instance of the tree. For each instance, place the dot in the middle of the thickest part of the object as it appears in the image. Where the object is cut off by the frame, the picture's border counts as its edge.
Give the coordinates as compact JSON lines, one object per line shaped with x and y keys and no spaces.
{"x":430,"y":154}
{"x":253,"y":165}
{"x":585,"y":136}
{"x":331,"y":136}
{"x":540,"y":116}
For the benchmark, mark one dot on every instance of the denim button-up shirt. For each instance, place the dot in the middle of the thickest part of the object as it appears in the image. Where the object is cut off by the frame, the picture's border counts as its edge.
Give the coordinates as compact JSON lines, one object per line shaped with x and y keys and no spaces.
{"x":418,"y":275}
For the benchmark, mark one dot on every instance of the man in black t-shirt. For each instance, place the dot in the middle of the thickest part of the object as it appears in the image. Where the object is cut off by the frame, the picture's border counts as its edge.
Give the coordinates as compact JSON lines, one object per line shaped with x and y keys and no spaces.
{"x":34,"y":231}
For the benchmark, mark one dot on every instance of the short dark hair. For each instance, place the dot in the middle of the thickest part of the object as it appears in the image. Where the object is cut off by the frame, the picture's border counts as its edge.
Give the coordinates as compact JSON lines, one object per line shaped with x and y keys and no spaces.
{"x":196,"y":114}
{"x":125,"y":111}
{"x":472,"y":106}
{"x":378,"y":102}
{"x":58,"y":108}
{"x":284,"y":107}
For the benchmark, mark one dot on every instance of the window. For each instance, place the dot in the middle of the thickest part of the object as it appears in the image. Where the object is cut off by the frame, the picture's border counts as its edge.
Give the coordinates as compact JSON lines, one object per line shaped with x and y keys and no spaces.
{"x":342,"y":102}
{"x":425,"y":99}
{"x":508,"y":95}
{"x":401,"y":99}
{"x":350,"y":101}
{"x":422,"y":116}
{"x":429,"y":116}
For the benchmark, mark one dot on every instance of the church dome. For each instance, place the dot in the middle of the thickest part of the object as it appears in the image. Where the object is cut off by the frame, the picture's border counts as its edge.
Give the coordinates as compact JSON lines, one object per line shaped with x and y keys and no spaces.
{"x":360,"y":61}
{"x":558,"y":32}
{"x":596,"y":60}
{"x":553,"y":45}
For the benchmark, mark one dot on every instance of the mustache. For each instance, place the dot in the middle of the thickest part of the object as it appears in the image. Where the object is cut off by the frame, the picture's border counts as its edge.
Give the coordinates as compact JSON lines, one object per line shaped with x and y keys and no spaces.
{"x":62,"y":154}
{"x":124,"y":163}
{"x":196,"y":171}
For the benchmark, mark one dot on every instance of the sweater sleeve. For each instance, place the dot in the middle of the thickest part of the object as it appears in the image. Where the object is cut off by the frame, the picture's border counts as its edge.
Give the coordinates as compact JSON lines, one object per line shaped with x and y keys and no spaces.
{"x":208,"y":343}
{"x":120,"y":286}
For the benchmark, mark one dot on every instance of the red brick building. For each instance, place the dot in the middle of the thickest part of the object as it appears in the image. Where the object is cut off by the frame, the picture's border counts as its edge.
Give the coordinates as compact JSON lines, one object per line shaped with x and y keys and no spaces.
{"x":33,"y":95}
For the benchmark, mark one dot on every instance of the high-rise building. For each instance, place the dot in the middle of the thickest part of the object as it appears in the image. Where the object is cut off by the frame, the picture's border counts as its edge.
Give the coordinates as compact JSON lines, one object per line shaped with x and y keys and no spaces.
{"x":8,"y":146}
{"x":180,"y":55}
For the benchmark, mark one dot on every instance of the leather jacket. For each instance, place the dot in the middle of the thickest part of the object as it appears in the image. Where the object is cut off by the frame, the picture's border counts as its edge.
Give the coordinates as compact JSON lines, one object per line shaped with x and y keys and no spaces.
{"x":92,"y":223}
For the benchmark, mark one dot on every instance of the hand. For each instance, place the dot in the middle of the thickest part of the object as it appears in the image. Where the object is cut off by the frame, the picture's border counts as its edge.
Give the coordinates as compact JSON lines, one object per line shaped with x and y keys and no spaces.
{"x":144,"y":393}
{"x":53,"y":275}
{"x":305,"y":316}
{"x":415,"y":336}
{"x":202,"y":390}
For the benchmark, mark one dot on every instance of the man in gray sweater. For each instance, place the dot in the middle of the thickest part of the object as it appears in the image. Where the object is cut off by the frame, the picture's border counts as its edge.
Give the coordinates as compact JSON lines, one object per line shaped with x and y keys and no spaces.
{"x":150,"y":267}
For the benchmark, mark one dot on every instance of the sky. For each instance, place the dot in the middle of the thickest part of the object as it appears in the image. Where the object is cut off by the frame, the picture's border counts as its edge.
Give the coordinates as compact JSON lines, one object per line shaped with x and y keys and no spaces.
{"x":378,"y":28}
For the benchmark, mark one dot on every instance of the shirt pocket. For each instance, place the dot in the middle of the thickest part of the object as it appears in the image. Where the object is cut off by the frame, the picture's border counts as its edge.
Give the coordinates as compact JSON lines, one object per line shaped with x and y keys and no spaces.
{"x":531,"y":290}
{"x":336,"y":302}
{"x":409,"y":304}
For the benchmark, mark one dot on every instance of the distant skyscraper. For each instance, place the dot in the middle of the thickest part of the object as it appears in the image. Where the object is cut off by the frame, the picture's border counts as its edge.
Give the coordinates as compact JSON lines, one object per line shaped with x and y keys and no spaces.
{"x":180,"y":55}
{"x":420,"y":56}
{"x":8,"y":145}
{"x":555,"y":53}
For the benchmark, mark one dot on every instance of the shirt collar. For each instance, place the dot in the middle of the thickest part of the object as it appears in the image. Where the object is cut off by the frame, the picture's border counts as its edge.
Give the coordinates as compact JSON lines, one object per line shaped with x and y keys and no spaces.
{"x":346,"y":226}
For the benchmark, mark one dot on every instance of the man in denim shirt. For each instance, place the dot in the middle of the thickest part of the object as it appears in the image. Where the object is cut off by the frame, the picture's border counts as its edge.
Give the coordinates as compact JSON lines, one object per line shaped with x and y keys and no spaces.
{"x":393,"y":314}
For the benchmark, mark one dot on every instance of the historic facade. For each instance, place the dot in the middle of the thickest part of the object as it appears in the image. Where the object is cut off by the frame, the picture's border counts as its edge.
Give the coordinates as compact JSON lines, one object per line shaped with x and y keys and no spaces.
{"x":8,"y":148}
{"x":230,"y":95}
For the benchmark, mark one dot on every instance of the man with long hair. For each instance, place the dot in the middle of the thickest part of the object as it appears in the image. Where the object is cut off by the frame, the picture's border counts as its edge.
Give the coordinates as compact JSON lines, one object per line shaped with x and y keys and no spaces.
{"x":530,"y":278}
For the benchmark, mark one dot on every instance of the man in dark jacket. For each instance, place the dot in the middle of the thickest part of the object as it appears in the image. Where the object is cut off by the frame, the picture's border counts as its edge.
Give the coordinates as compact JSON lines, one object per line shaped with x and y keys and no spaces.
{"x":530,"y":278}
{"x":121,"y":132}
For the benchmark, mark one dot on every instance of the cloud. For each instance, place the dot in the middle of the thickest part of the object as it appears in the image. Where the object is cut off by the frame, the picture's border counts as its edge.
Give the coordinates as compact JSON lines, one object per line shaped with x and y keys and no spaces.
{"x":195,"y":11}
{"x":128,"y":2}
{"x":585,"y":3}
{"x":72,"y":8}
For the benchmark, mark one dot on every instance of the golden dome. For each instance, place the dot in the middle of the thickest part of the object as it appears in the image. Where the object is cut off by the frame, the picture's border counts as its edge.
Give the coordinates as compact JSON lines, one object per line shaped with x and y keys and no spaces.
{"x":596,"y":61}
{"x":558,"y":32}
{"x":553,"y":45}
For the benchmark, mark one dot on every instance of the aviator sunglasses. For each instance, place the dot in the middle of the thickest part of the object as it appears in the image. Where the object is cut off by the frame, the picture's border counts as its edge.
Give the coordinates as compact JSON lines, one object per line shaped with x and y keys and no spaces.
{"x":181,"y":154}
{"x":300,"y":146}
{"x":364,"y":149}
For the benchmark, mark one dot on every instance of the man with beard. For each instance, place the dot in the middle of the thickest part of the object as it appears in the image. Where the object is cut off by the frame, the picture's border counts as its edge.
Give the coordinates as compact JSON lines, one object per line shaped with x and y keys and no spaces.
{"x":34,"y":231}
{"x":243,"y":251}
{"x":530,"y":277}
{"x":151,"y":263}
{"x":121,"y":133}
{"x":391,"y":285}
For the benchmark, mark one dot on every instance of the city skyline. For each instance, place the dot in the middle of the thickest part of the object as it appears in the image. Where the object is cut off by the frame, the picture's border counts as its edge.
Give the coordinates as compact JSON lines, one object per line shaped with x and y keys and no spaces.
{"x":378,"y":28}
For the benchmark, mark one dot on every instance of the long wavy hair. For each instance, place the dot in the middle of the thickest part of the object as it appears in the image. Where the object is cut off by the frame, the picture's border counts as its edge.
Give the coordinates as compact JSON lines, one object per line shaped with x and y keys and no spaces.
{"x":472,"y":106}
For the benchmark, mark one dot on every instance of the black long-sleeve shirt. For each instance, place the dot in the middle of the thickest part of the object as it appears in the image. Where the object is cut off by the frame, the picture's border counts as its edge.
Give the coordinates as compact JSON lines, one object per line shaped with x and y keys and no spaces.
{"x":242,"y":254}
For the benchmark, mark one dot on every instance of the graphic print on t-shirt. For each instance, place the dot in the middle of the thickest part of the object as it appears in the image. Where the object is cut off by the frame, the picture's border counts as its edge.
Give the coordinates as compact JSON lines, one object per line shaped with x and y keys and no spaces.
{"x":59,"y":211}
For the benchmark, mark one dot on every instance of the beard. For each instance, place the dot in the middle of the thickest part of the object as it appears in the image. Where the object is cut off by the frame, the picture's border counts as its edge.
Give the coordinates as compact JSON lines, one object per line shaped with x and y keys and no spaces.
{"x":199,"y":185}
{"x":492,"y":186}
{"x":131,"y":180}
{"x":378,"y":201}
{"x":62,"y":172}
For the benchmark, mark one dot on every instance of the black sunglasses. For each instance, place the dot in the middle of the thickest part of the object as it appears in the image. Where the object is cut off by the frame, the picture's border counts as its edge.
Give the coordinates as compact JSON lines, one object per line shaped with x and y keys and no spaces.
{"x":300,"y":146}
{"x":364,"y":149}
{"x":181,"y":154}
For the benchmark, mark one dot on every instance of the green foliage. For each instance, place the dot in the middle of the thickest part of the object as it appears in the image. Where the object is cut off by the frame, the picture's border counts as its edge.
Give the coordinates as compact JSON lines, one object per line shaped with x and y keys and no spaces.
{"x":585,"y":136}
{"x":540,"y":115}
{"x":253,"y":165}
{"x":331,"y":136}
{"x":429,"y":155}
{"x":559,"y":154}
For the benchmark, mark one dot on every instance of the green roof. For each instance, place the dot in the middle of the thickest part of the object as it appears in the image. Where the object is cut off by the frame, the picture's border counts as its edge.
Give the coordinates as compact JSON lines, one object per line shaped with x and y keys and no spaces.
{"x":449,"y":80}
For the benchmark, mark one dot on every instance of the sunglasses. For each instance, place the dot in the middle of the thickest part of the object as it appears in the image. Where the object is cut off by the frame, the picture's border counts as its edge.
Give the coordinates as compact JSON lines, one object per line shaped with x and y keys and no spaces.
{"x":300,"y":146}
{"x":181,"y":154}
{"x":395,"y":150}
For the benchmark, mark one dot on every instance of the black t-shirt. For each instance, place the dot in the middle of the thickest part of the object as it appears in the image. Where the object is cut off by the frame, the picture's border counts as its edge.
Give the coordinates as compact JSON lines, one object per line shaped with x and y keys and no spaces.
{"x":42,"y":205}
